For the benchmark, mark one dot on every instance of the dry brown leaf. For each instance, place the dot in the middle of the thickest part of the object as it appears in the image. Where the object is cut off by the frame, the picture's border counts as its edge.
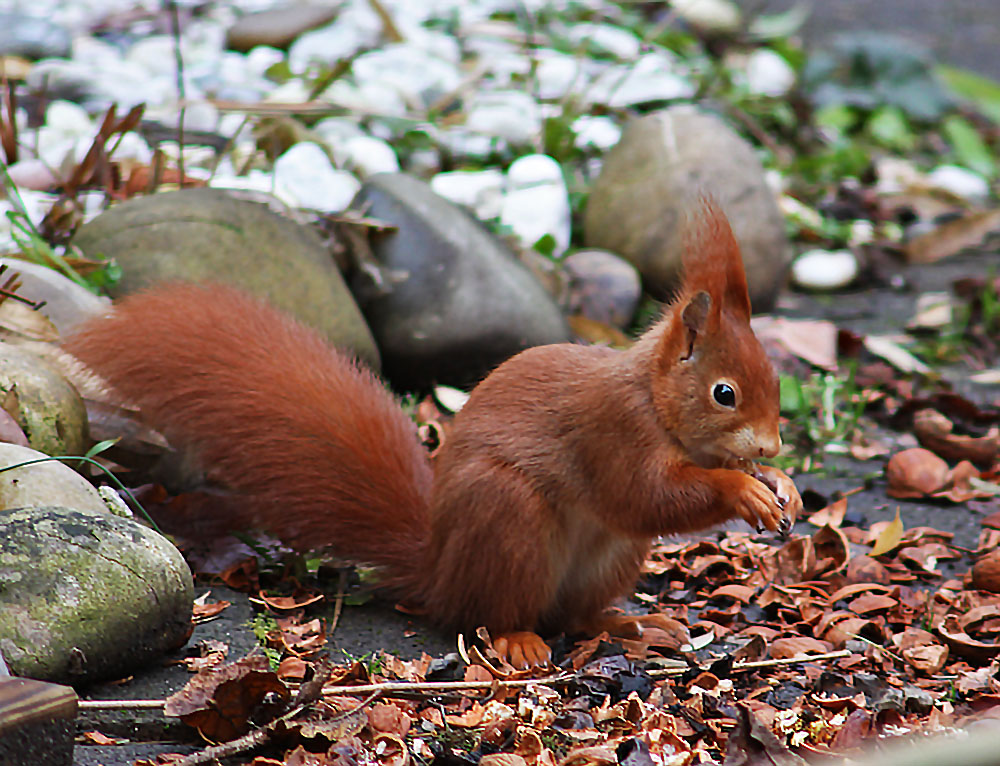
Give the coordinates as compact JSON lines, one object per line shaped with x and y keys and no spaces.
{"x":936,"y":432}
{"x":952,"y":237}
{"x":831,"y":515}
{"x":794,"y":646}
{"x":814,"y":341}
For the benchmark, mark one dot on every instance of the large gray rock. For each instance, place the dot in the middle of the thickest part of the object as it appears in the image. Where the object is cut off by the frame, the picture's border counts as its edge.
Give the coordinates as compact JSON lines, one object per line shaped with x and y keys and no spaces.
{"x":46,"y":407}
{"x":278,"y":27}
{"x":209,"y":235}
{"x":86,"y":596}
{"x":33,"y":37}
{"x":457,"y":302}
{"x":651,"y":179}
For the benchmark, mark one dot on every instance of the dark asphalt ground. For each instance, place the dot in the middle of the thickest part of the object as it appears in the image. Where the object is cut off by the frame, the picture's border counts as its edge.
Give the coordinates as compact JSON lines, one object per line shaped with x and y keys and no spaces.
{"x":960,"y":32}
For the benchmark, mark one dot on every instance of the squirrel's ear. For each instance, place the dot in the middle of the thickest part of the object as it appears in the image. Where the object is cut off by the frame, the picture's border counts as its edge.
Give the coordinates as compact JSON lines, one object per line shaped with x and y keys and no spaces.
{"x":689,"y":318}
{"x":694,"y":318}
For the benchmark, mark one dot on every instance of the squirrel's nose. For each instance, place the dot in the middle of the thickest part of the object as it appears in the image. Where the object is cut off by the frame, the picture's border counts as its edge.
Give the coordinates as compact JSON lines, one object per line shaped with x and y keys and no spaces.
{"x":770,"y":446}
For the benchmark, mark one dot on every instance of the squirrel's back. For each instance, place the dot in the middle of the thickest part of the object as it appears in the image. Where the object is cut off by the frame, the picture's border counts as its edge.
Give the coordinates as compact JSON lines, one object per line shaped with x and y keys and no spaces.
{"x":315,"y":449}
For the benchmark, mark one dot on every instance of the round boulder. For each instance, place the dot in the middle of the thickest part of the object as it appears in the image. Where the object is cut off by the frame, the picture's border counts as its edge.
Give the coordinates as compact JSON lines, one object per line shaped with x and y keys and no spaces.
{"x":651,"y":179}
{"x":210,"y":235}
{"x":454,"y":301}
{"x":87,"y":596}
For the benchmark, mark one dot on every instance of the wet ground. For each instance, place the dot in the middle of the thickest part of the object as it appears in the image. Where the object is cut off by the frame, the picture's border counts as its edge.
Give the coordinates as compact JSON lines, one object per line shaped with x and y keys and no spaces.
{"x":960,"y":32}
{"x":363,"y":629}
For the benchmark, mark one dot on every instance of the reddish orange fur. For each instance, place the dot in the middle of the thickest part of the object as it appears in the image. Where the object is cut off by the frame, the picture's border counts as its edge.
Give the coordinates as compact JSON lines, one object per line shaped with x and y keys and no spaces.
{"x":565,"y":463}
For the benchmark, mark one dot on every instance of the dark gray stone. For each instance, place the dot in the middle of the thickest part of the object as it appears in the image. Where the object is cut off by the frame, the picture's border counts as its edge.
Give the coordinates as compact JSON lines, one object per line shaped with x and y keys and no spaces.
{"x":32,"y":37}
{"x":277,"y":27}
{"x":603,"y":287}
{"x":209,"y":235}
{"x":456,"y":301}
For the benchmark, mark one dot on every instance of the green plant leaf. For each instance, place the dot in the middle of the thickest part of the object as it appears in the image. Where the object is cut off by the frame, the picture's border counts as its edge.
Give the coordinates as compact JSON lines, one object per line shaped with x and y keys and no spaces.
{"x":982,"y":92}
{"x":970,"y":149}
{"x":889,"y":127}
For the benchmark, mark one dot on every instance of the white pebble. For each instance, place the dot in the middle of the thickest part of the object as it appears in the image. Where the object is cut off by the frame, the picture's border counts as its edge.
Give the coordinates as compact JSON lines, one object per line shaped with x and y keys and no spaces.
{"x":32,"y":174}
{"x":606,"y":38}
{"x":69,"y":119}
{"x":824,"y":269}
{"x":478,"y":190}
{"x":557,"y":73}
{"x":509,"y":114}
{"x":366,"y":156}
{"x":537,"y":202}
{"x":597,"y":132}
{"x":655,"y":76}
{"x":261,"y":58}
{"x":716,"y":16}
{"x":959,"y":181}
{"x":305,"y":171}
{"x":768,"y":73}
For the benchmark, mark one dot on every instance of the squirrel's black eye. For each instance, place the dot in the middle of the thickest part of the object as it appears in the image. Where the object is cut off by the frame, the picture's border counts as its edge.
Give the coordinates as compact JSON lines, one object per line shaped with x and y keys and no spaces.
{"x":723,"y":393}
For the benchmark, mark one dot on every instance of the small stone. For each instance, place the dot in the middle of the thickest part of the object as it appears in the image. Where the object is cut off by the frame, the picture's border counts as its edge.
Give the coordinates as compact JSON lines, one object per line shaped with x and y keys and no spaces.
{"x":768,"y":73}
{"x":366,"y":156}
{"x":537,"y":202}
{"x":963,"y":183}
{"x":606,"y":38}
{"x":49,"y":410}
{"x":556,"y":74}
{"x":35,"y":174}
{"x":716,"y":17}
{"x":603,"y":287}
{"x":357,"y":27}
{"x":654,"y":77}
{"x":67,"y":303}
{"x":597,"y":132}
{"x":277,"y":27}
{"x":69,"y":119}
{"x":419,"y":76}
{"x":824,"y":269}
{"x":479,"y":190}
{"x":509,"y":114}
{"x":32,"y":37}
{"x":306,"y":172}
{"x":42,"y":483}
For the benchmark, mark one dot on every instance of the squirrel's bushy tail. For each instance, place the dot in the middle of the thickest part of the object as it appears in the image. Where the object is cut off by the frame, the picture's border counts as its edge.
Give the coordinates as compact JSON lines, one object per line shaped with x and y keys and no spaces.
{"x":315,"y":449}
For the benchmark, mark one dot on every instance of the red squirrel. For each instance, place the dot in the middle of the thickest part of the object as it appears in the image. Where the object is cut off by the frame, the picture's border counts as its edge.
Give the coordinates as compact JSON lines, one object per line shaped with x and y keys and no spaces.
{"x":538,"y":511}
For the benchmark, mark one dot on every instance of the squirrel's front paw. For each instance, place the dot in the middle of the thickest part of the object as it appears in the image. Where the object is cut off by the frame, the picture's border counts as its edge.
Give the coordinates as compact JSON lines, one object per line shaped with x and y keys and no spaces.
{"x":783,"y":488}
{"x":758,"y":506}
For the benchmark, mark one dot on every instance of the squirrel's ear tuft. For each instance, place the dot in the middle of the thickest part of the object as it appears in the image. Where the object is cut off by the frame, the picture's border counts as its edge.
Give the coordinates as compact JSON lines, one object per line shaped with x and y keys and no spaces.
{"x":712,"y":260}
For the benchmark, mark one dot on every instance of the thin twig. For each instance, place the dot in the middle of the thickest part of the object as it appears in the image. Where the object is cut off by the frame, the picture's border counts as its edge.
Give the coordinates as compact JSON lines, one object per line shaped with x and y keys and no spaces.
{"x":338,"y":603}
{"x":388,"y":688}
{"x":120,"y":704}
{"x":175,"y":30}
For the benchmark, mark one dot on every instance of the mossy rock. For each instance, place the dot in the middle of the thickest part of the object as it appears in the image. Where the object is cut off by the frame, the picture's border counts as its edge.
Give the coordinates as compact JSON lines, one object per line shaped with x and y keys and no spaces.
{"x":210,"y":235}
{"x":87,"y":596}
{"x":48,"y":409}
